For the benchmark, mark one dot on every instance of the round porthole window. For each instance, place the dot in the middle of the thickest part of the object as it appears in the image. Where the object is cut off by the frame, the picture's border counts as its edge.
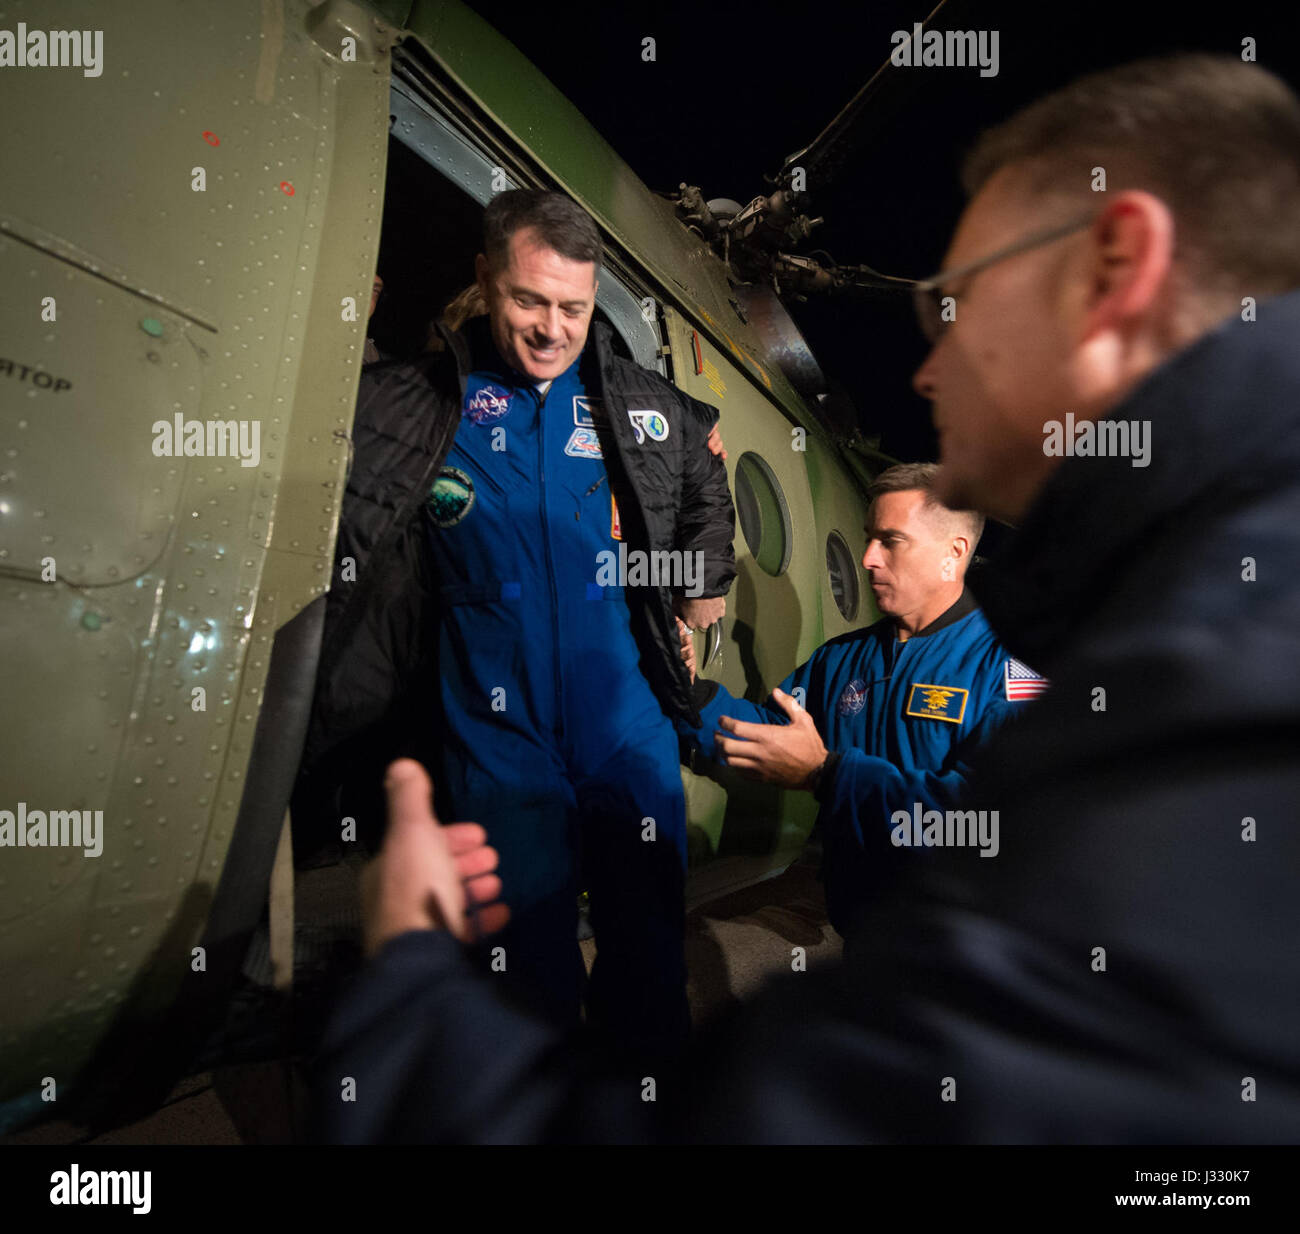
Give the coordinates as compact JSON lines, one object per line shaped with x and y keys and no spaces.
{"x":843,"y":572}
{"x":764,"y":515}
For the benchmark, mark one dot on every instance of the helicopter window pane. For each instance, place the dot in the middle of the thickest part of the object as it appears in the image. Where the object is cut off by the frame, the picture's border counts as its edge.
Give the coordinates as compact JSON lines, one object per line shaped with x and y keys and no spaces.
{"x":751,"y":522}
{"x":639,"y":337}
{"x":618,"y":344}
{"x":764,"y":515}
{"x":431,"y":232}
{"x":843,"y":573}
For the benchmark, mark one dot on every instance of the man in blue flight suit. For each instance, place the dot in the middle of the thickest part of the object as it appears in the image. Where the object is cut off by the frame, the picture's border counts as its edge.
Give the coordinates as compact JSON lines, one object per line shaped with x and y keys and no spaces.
{"x":883,"y":718}
{"x":562,"y":503}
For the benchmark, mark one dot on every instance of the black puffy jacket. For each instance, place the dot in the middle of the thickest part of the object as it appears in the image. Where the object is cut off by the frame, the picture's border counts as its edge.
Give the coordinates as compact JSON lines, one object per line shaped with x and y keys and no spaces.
{"x":375,"y":681}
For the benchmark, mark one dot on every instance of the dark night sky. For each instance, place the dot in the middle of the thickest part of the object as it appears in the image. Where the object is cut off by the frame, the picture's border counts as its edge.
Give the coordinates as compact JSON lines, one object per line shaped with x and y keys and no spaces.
{"x":734,"y":90}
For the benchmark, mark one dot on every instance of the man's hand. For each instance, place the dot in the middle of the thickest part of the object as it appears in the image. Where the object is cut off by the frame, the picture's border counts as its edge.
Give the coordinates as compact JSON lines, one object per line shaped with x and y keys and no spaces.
{"x":688,"y":646}
{"x":715,"y":443}
{"x":774,"y":753}
{"x":427,"y":875}
{"x":699,"y":613}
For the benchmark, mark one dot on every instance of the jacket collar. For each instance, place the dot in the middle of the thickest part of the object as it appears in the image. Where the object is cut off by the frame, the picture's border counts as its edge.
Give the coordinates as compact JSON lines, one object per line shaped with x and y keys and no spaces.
{"x":458,"y":344}
{"x":886,"y":629}
{"x":1222,"y":415}
{"x":963,"y":606}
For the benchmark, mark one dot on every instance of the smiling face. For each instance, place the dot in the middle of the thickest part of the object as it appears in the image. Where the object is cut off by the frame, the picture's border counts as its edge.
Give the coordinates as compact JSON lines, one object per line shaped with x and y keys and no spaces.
{"x":540,"y":304}
{"x":914,"y":558}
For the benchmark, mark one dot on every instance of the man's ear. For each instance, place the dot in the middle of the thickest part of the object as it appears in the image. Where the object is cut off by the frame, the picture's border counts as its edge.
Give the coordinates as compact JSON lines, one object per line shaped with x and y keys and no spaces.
{"x":1132,"y":252}
{"x":481,"y":272}
{"x":959,"y":547}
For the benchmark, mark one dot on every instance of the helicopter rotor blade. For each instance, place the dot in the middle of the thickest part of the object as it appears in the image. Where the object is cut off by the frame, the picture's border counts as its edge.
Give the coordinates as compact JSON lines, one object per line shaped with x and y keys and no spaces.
{"x":865,"y":113}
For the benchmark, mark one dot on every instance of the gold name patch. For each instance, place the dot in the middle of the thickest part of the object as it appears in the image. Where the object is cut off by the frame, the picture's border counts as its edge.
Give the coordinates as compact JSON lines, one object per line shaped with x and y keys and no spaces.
{"x":937,"y":702}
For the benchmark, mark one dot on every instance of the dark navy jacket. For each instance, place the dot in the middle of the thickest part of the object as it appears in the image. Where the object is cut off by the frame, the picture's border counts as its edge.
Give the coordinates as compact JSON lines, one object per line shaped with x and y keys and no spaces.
{"x":1126,"y":969}
{"x":902,"y":721}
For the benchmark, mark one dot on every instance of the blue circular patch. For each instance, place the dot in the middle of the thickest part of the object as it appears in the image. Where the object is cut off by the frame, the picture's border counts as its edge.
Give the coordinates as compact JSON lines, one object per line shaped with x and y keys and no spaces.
{"x":853,"y":699}
{"x":487,"y":403}
{"x":451,"y":497}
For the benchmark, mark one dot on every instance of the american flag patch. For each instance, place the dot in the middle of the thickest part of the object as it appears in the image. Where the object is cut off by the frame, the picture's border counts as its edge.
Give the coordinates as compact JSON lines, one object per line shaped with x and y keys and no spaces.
{"x":1022,"y":682}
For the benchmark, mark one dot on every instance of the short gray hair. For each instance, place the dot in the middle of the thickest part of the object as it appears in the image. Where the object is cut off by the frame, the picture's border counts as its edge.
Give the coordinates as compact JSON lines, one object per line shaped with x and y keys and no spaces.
{"x":919,"y":478}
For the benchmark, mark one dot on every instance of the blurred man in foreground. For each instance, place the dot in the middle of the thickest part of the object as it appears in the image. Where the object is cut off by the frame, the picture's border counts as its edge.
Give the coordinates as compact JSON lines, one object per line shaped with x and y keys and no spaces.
{"x":1125,"y":970}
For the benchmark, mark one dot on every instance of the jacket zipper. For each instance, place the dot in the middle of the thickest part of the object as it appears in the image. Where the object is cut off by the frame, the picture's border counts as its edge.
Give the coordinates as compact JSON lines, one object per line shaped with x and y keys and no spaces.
{"x":676,"y":669}
{"x":550,"y":564}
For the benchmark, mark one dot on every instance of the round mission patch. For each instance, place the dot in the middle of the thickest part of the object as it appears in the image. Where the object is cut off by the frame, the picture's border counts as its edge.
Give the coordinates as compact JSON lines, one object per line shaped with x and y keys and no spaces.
{"x":853,"y":699}
{"x":451,"y":497}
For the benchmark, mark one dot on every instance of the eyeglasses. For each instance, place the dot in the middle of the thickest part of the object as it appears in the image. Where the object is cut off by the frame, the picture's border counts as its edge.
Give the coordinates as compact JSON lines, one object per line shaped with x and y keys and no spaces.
{"x":927,"y":294}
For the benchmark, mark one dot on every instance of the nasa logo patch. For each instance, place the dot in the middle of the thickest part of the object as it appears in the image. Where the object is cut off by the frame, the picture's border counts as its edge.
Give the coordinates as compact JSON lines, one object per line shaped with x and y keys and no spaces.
{"x":583,"y":443}
{"x":451,"y":497}
{"x":487,"y":404}
{"x":853,"y":699}
{"x":648,"y":424}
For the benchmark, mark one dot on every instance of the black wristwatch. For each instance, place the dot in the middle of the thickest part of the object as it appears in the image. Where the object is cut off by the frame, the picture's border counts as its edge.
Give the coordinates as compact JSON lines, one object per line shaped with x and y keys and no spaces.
{"x":818,"y":781}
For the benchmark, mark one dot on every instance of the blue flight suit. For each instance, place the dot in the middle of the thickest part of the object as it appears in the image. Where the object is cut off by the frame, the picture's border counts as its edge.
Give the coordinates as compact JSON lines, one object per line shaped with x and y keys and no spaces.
{"x":901,"y":720}
{"x":551,"y":737}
